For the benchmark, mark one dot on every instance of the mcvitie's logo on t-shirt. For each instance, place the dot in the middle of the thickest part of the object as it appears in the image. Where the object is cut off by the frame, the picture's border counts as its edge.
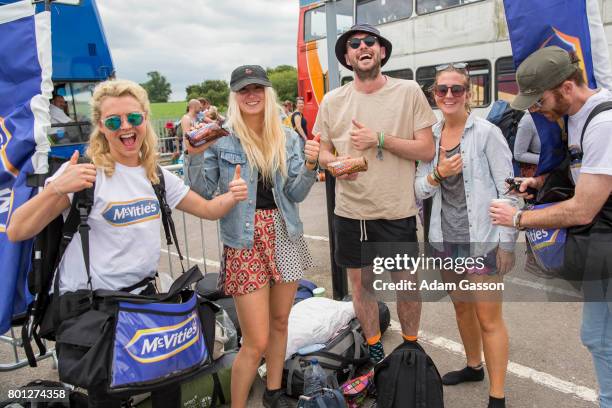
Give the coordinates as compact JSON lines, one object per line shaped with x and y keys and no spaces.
{"x":124,"y":213}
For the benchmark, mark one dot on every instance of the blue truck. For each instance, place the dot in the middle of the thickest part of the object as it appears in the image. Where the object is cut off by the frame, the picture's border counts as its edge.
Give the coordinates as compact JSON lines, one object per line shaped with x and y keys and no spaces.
{"x":81,"y":59}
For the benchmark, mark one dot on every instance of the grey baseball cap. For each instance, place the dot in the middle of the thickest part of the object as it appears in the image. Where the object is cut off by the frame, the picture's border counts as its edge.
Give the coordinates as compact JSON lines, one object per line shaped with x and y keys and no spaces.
{"x":248,"y":74}
{"x":543,"y":70}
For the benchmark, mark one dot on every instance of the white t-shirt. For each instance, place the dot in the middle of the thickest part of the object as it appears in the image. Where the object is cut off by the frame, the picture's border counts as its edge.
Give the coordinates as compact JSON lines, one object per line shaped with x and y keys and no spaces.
{"x":597,"y":142}
{"x":124,"y":240}
{"x":58,"y":115}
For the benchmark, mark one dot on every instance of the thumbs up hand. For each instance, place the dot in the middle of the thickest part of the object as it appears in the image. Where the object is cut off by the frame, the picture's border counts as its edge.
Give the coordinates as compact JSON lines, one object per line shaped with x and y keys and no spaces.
{"x":238,"y":187}
{"x":449,"y":166}
{"x":75,"y":177}
{"x":362,"y":138}
{"x":311,"y":150}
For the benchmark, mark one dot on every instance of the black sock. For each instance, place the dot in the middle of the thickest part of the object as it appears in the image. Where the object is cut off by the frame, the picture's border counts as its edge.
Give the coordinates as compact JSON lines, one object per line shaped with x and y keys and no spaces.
{"x":466,"y":374}
{"x":497,"y":402}
{"x":271,"y":392}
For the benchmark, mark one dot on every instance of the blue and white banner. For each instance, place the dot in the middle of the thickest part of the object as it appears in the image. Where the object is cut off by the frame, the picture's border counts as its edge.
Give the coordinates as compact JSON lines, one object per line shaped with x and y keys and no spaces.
{"x":25,"y":89}
{"x":574,"y":25}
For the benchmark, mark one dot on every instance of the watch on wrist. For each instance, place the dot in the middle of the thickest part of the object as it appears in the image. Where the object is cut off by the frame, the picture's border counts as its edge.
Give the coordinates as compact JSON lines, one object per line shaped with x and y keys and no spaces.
{"x":516,"y":220}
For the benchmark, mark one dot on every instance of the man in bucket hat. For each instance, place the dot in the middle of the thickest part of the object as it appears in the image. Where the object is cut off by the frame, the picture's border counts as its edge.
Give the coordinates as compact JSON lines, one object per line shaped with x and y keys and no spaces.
{"x":388,"y":122}
{"x":552,"y":84}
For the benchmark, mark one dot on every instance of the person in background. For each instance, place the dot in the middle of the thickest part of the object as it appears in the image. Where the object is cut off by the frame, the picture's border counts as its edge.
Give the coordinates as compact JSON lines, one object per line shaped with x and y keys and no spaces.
{"x":205,"y":103}
{"x":213,"y":115}
{"x":469,"y":171}
{"x":57,"y":110}
{"x":190,"y":119}
{"x":527,"y":146}
{"x":285,"y":112}
{"x":288,"y":107}
{"x":264,"y":251}
{"x":298,"y":121}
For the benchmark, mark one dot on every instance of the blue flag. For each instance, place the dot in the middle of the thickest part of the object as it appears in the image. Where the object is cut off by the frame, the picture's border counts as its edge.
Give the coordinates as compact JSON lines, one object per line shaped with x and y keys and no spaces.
{"x":574,"y":25}
{"x":25,"y":89}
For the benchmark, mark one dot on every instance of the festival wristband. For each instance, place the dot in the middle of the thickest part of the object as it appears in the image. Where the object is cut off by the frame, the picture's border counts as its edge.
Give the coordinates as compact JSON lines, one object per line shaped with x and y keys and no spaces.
{"x":516,"y":220}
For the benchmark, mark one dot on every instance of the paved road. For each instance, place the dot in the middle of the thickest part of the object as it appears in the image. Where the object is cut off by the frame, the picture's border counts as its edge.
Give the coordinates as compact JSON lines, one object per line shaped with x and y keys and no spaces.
{"x":549,"y":367}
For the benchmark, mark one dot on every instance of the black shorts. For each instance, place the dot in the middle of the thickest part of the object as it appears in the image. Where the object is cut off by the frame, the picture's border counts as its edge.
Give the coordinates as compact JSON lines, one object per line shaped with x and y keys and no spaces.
{"x":358,"y":242}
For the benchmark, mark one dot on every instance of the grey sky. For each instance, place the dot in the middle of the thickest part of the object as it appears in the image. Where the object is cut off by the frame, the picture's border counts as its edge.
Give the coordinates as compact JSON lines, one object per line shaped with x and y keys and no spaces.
{"x":189,"y":41}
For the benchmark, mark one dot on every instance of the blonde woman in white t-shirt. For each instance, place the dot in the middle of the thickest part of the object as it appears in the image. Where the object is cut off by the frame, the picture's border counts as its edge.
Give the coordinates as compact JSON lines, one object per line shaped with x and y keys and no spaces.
{"x":125,"y":217}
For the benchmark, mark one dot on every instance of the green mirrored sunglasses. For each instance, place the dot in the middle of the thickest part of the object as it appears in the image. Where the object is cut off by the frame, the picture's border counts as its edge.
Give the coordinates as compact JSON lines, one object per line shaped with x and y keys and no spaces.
{"x":113,"y":122}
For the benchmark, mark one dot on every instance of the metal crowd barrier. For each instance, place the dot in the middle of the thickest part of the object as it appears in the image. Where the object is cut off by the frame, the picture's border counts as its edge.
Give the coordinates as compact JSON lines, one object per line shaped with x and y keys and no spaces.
{"x":193,"y":253}
{"x":16,"y":344}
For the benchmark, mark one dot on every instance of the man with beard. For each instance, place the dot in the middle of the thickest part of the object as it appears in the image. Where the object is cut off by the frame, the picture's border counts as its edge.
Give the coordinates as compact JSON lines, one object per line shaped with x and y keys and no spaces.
{"x":552,"y":84}
{"x":388,"y":121}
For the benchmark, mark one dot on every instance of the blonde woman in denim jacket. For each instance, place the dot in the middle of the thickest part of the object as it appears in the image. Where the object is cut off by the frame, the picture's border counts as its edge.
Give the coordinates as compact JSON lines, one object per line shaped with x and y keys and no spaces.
{"x":265,"y":254}
{"x":471,"y":163}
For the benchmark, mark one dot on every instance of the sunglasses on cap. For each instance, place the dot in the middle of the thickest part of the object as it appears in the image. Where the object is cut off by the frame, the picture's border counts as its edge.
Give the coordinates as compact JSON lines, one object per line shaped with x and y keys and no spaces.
{"x":355,"y":42}
{"x":456,"y":65}
{"x":113,"y":122}
{"x":442,"y":90}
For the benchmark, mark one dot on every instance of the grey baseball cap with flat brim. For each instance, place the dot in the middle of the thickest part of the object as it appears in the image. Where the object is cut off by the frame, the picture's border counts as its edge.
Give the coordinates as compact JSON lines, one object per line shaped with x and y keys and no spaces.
{"x":246,"y":75}
{"x":340,"y":47}
{"x":543,"y":70}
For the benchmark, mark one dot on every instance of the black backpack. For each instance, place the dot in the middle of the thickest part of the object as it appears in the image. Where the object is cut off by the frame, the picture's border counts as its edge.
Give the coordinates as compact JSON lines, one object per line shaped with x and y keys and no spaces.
{"x":507,"y":119}
{"x":49,"y":246}
{"x":408,"y":378}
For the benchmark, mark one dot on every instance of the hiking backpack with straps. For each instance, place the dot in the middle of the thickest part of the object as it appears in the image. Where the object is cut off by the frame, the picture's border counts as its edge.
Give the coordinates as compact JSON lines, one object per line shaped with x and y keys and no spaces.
{"x":506,"y":119}
{"x":41,"y":317}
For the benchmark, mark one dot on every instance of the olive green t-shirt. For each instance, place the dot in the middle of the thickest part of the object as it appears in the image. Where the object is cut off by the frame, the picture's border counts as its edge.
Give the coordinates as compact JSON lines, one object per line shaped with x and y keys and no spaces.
{"x":386,"y":189}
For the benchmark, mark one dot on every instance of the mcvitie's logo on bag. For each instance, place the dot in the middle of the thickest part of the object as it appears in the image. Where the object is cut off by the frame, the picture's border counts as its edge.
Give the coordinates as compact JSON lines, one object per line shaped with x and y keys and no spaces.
{"x":542,"y":238}
{"x":160,"y":343}
{"x":124,"y":213}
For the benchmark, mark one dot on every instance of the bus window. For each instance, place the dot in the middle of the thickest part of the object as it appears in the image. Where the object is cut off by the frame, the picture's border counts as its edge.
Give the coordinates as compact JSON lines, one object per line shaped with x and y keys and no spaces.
{"x":505,"y":79}
{"x":480,"y":74}
{"x":345,"y":80}
{"x":400,"y":73}
{"x":425,"y":77}
{"x":428,"y":6}
{"x":315,"y":25}
{"x":377,"y":12}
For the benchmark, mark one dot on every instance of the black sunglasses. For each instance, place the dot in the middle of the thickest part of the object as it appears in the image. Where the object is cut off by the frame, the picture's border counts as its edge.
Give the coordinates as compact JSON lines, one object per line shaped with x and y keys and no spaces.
{"x":355,"y":42}
{"x":442,"y":90}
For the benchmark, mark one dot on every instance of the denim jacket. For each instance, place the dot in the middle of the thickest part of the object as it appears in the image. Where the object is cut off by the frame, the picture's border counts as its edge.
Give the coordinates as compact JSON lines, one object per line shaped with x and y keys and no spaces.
{"x":213,"y":171}
{"x":487,"y":162}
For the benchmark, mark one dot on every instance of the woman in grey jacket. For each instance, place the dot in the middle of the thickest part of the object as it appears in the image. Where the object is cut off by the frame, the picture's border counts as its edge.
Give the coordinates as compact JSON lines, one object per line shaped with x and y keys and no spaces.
{"x":264,"y":253}
{"x":471,"y":163}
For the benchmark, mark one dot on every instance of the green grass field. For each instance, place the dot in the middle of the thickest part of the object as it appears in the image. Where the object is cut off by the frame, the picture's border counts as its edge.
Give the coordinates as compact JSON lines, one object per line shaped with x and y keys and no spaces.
{"x":168,"y":110}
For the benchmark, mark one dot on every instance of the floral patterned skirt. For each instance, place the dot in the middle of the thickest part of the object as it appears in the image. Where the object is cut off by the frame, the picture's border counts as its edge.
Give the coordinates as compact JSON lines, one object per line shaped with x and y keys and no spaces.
{"x":273,"y":258}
